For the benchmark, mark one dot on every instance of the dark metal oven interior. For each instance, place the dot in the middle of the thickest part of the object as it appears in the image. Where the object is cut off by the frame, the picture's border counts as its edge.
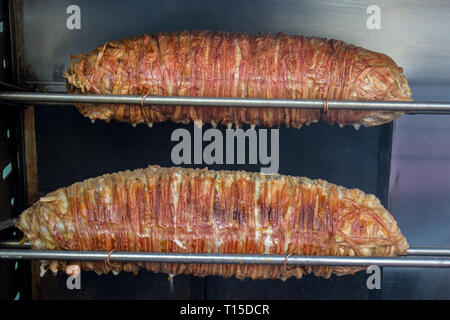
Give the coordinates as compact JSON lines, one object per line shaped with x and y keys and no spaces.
{"x":405,"y":164}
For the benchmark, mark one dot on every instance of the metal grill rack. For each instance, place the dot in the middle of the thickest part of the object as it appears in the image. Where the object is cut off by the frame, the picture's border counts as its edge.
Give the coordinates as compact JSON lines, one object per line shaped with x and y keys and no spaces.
{"x":416,"y":257}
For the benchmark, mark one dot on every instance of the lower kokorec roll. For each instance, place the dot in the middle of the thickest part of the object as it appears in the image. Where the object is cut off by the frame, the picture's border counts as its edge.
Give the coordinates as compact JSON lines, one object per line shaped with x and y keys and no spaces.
{"x":204,"y":211}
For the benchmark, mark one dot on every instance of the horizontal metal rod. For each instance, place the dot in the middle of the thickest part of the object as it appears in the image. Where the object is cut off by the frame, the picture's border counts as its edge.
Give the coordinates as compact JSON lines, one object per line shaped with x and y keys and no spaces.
{"x":414,"y":251}
{"x":14,"y":244}
{"x":65,"y":98}
{"x":266,"y":259}
{"x":428,"y":251}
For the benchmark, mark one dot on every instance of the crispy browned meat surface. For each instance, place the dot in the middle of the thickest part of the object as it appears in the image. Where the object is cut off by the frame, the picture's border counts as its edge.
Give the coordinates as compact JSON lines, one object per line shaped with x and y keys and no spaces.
{"x":204,"y":211}
{"x":219,"y":64}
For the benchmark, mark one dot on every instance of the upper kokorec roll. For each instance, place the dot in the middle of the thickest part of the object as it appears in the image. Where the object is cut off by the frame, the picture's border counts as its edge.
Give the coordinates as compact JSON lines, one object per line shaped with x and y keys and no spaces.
{"x":220,"y":64}
{"x":204,"y":211}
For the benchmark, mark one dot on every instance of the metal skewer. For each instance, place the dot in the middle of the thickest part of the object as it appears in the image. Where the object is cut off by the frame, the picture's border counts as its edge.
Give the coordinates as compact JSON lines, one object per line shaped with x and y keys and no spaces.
{"x":414,"y":251}
{"x":266,"y":259}
{"x":70,"y":99}
{"x":435,"y":257}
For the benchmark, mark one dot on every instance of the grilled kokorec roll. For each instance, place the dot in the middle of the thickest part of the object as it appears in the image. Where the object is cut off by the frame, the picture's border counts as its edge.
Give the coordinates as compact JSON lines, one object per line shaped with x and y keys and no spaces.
{"x":204,"y":211}
{"x":220,"y":64}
